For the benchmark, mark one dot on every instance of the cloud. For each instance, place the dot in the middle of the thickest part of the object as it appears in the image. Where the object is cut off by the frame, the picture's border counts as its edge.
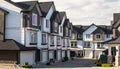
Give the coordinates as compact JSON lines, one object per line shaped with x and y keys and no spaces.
{"x":88,"y":11}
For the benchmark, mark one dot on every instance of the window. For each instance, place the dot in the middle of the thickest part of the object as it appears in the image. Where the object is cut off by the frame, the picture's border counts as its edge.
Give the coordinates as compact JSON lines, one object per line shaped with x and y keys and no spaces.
{"x":63,"y":42}
{"x":52,"y":40}
{"x":47,"y":23}
{"x":87,"y":36}
{"x":72,"y":44}
{"x":98,"y":36}
{"x":87,"y":44}
{"x":79,"y":35}
{"x":61,"y":29}
{"x":33,"y":37}
{"x":99,"y":45}
{"x":34,"y":19}
{"x":55,"y":27}
{"x":66,"y":31}
{"x":67,"y":42}
{"x":58,"y":40}
{"x":44,"y":38}
{"x":108,"y":35}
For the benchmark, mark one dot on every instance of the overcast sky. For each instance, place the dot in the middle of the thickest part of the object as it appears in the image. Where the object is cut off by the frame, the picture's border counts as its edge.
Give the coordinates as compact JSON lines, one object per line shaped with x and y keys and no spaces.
{"x":86,"y":12}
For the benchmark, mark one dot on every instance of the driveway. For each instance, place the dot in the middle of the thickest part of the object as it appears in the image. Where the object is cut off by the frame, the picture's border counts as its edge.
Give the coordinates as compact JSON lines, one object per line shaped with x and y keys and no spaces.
{"x":76,"y":63}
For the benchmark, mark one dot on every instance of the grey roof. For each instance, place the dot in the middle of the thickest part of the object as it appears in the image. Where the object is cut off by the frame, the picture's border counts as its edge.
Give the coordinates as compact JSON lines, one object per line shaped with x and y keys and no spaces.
{"x":27,"y":5}
{"x":62,"y":14}
{"x":45,"y":7}
{"x":113,"y":41}
{"x":80,"y":28}
{"x":55,"y":17}
{"x":14,"y":45}
{"x":4,"y":10}
{"x":103,"y":28}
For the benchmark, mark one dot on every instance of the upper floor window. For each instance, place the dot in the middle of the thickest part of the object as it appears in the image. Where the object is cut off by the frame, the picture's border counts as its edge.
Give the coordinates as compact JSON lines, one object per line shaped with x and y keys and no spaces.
{"x":58,"y":40}
{"x":108,"y":35}
{"x":66,"y":31}
{"x":63,"y":42}
{"x":52,"y":40}
{"x":87,"y":44}
{"x":33,"y":37}
{"x":79,"y":35}
{"x":98,"y":36}
{"x":55,"y":27}
{"x":61,"y":29}
{"x":47,"y":23}
{"x":88,"y":36}
{"x":99,"y":45}
{"x":44,"y":38}
{"x":34,"y":19}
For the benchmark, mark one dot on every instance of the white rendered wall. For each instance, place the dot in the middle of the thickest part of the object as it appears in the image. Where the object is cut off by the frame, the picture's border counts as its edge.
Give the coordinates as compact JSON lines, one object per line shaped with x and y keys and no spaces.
{"x":89,"y":31}
{"x":59,"y":55}
{"x":88,"y":54}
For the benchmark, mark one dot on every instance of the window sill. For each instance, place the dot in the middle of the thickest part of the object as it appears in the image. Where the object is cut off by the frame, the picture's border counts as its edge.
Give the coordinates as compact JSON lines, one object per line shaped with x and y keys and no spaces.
{"x":43,"y":43}
{"x":33,"y":43}
{"x":52,"y":45}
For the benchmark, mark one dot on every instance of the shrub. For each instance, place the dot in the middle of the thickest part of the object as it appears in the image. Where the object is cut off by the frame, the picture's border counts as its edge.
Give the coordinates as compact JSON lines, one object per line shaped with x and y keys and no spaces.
{"x":106,"y":65}
{"x":27,"y":65}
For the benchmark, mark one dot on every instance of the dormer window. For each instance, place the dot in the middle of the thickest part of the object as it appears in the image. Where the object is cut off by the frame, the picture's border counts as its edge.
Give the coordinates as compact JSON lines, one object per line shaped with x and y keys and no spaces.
{"x":108,"y":35}
{"x":98,"y":36}
{"x":88,"y":36}
{"x":34,"y":19}
{"x":55,"y":27}
{"x":47,"y":23}
{"x":61,"y":29}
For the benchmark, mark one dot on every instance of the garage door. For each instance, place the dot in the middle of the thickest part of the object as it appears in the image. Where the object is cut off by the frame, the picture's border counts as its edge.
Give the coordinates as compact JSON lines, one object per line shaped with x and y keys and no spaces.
{"x":44,"y":56}
{"x":88,"y":54}
{"x":27,"y":56}
{"x":8,"y":56}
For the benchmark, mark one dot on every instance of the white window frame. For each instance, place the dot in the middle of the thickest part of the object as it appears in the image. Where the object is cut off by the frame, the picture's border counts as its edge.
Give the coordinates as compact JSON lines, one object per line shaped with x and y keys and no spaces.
{"x":107,"y":35}
{"x":98,"y":35}
{"x":33,"y":37}
{"x":34,"y":19}
{"x":52,"y":40}
{"x":43,"y":40}
{"x":88,"y":36}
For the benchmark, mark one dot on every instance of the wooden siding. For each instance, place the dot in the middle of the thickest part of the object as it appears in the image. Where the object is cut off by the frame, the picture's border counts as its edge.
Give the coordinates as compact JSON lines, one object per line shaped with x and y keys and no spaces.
{"x":2,"y":25}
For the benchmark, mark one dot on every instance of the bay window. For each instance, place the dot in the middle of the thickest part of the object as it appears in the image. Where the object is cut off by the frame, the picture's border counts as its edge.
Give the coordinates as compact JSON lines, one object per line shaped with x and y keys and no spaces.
{"x":44,"y":39}
{"x":52,"y":40}
{"x":33,"y":37}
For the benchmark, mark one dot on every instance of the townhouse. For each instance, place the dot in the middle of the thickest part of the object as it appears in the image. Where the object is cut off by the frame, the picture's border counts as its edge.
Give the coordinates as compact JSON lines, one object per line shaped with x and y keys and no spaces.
{"x":90,"y":40}
{"x":20,"y":27}
{"x":114,"y":43}
{"x":33,"y":32}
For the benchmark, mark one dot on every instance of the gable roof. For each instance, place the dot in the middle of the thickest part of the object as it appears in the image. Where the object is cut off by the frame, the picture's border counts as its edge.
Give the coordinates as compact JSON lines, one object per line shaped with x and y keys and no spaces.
{"x":27,"y":6}
{"x":103,"y":28}
{"x":45,"y":7}
{"x":55,"y":17}
{"x":79,"y":28}
{"x":10,"y":44}
{"x":61,"y":14}
{"x":113,"y":41}
{"x":4,"y":10}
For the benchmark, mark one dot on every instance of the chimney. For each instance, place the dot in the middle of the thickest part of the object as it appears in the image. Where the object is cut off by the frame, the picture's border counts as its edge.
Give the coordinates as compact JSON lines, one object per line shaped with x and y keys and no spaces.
{"x":116,"y":17}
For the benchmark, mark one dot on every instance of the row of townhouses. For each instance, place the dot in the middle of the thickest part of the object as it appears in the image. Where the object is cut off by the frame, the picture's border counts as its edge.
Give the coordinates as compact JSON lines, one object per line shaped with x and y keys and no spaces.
{"x":88,"y":40}
{"x":91,"y":41}
{"x":33,"y":32}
